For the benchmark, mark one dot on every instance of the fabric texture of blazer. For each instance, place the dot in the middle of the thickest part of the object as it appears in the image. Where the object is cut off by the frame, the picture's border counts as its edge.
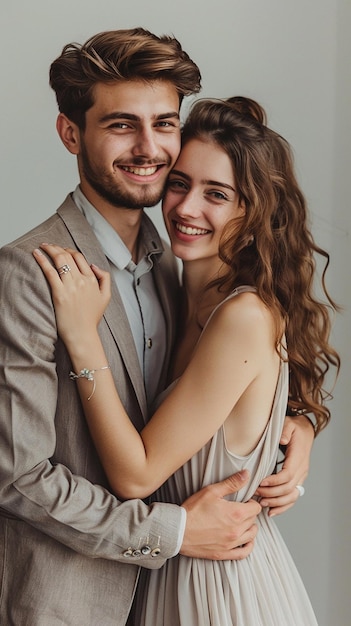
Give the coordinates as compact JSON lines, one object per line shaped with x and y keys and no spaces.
{"x":69,"y":550}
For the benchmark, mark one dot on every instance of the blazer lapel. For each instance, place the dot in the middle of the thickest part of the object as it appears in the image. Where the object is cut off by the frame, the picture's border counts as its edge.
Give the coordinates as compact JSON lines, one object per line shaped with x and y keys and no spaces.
{"x":168,"y":304}
{"x":115,"y":315}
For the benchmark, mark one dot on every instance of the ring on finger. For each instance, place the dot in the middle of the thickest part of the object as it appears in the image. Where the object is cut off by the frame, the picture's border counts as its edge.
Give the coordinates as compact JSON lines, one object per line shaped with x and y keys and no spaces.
{"x":301,"y":490}
{"x":64,"y":269}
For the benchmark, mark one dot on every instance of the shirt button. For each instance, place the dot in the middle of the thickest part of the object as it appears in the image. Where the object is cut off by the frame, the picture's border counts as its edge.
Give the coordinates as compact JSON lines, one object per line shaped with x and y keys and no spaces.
{"x":149,"y":342}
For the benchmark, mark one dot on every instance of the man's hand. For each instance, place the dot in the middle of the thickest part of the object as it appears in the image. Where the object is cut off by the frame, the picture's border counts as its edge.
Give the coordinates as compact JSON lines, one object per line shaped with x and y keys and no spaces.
{"x":278,"y":491}
{"x":216,"y":528}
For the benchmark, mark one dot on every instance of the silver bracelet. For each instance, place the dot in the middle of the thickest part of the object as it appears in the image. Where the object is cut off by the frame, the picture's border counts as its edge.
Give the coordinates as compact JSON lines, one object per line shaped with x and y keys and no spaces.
{"x":89,"y":375}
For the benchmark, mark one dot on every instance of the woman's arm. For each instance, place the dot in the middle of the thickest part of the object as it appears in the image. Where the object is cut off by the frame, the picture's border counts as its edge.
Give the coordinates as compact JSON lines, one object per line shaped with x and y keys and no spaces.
{"x":229,"y":356}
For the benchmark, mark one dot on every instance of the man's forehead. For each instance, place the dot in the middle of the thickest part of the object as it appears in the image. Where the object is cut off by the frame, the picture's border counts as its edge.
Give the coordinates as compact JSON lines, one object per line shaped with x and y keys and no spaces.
{"x":136,"y":98}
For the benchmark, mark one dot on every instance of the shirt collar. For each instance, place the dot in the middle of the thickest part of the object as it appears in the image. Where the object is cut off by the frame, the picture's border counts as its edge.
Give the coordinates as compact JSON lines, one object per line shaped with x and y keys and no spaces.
{"x":110,"y":241}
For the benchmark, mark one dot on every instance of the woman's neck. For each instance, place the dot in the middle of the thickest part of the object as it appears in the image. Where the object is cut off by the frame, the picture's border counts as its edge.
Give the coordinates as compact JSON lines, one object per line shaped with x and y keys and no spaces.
{"x":199,"y":299}
{"x":198,"y":302}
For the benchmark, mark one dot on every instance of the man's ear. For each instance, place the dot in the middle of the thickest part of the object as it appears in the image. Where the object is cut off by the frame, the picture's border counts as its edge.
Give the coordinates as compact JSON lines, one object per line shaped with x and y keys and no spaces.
{"x":69,"y":133}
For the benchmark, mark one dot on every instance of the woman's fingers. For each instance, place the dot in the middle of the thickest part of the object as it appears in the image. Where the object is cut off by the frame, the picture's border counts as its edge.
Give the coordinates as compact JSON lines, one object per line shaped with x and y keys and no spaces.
{"x":80,"y":261}
{"x":49,"y":270}
{"x":80,"y":294}
{"x":104,"y":279}
{"x":67,"y":259}
{"x":85,"y":282}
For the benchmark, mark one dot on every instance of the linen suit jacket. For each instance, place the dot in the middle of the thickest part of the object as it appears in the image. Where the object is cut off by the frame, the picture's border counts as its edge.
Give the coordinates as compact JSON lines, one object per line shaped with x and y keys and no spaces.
{"x":67,"y":545}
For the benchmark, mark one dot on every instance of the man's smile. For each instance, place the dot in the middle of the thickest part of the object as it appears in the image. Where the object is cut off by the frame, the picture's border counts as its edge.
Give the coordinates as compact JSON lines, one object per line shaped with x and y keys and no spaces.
{"x":140,"y":171}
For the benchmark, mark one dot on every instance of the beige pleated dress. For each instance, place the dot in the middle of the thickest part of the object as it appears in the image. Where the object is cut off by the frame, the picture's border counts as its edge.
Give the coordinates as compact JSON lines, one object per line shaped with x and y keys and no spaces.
{"x":265,"y":589}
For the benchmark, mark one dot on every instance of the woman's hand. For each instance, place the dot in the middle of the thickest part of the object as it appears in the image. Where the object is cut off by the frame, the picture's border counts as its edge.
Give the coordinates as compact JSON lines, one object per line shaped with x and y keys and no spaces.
{"x":80,"y":292}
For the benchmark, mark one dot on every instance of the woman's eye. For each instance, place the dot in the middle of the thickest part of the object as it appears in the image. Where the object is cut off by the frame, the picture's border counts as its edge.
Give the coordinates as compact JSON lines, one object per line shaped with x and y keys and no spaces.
{"x":176,"y":185}
{"x":218,"y":195}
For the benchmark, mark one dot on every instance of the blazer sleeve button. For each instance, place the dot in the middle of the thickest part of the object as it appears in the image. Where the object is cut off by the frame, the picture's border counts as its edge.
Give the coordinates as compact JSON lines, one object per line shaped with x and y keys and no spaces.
{"x":155,"y":552}
{"x":127,"y":553}
{"x":145,"y":550}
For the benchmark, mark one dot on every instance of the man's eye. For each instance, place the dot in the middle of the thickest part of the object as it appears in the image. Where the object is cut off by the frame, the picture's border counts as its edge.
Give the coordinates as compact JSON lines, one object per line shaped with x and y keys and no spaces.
{"x":121,"y":125}
{"x":167,"y":124}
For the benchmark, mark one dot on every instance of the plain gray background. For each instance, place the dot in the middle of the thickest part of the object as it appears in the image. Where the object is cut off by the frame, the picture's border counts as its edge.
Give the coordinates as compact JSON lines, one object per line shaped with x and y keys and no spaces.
{"x":294,"y":58}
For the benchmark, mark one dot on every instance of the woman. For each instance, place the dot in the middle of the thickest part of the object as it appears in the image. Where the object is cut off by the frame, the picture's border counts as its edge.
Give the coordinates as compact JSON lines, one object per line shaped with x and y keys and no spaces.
{"x":237,"y":219}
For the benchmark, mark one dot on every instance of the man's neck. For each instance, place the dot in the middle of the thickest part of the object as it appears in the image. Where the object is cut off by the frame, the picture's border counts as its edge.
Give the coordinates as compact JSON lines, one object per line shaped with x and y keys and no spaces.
{"x":126,"y":222}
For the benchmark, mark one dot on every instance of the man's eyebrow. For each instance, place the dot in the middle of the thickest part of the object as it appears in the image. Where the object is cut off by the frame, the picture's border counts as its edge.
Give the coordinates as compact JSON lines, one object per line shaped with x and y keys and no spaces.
{"x":166,"y":116}
{"x":216,"y":183}
{"x":122,"y":115}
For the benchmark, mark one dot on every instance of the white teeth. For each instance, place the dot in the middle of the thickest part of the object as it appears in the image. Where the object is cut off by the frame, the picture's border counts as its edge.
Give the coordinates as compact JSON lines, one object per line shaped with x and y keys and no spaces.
{"x":141,"y":171}
{"x":188,"y":230}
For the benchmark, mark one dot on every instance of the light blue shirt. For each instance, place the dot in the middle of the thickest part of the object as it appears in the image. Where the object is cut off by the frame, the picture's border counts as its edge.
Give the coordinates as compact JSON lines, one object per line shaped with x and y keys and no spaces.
{"x":137,"y":289}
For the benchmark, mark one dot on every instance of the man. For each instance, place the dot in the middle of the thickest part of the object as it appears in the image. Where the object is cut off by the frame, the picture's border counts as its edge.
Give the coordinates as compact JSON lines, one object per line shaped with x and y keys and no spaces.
{"x":71,"y":550}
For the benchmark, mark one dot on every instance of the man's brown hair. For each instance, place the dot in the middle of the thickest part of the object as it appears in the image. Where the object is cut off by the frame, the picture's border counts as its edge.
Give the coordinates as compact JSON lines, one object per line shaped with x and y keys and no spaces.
{"x":117,"y":55}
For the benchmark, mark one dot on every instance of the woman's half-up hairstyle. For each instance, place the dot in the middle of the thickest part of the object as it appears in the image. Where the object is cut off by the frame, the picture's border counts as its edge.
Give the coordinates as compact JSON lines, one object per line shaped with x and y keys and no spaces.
{"x":271,"y":246}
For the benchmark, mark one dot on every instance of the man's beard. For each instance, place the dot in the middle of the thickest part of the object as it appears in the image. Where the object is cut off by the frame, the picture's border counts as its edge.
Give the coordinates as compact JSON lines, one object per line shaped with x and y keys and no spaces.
{"x":104,"y":184}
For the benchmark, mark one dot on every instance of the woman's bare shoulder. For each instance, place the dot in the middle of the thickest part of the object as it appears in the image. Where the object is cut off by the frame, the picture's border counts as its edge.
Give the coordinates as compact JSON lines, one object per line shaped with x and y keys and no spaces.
{"x":245,"y":309}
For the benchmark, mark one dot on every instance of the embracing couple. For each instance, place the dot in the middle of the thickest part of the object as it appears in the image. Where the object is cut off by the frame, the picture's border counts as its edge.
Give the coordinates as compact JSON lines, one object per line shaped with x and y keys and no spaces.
{"x":98,"y":337}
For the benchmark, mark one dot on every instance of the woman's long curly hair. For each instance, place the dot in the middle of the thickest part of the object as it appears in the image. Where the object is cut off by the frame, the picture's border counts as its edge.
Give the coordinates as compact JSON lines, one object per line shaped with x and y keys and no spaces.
{"x":271,"y":246}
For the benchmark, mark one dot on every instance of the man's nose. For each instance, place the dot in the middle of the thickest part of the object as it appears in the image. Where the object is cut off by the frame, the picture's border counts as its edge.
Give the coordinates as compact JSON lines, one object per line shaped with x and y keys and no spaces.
{"x":146,"y":144}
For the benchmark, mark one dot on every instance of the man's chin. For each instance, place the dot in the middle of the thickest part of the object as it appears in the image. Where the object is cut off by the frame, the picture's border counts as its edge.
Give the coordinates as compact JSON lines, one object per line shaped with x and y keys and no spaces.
{"x":132,"y":198}
{"x":147,"y":199}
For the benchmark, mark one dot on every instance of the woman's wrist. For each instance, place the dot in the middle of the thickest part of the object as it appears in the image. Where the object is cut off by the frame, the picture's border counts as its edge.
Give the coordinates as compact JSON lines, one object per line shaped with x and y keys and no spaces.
{"x":87,"y":352}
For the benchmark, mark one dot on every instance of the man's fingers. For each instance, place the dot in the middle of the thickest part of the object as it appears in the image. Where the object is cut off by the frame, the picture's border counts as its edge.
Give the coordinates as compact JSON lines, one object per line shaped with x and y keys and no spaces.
{"x":287,"y":432}
{"x":232,"y":484}
{"x":224,"y":551}
{"x":236,"y":551}
{"x":235,"y":554}
{"x":239,"y":554}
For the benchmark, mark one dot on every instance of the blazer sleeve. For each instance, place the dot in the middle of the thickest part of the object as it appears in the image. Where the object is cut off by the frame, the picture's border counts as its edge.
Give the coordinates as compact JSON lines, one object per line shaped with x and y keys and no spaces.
{"x":67,"y":507}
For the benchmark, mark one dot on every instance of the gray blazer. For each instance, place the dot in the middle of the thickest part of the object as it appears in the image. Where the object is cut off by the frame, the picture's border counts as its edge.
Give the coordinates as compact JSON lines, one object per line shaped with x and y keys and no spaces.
{"x":69,"y":550}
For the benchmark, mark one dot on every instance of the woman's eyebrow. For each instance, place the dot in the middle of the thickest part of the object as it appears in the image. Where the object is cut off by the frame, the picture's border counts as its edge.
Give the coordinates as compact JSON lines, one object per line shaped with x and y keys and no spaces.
{"x":216,"y":183}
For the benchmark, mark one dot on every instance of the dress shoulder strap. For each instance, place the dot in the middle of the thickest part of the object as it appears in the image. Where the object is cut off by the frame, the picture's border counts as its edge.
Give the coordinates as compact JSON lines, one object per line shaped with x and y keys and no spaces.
{"x":238,"y":290}
{"x":235,"y":292}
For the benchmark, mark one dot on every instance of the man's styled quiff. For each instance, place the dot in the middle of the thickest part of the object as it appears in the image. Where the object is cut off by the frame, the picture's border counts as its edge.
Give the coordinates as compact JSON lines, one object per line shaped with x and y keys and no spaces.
{"x":133,"y":54}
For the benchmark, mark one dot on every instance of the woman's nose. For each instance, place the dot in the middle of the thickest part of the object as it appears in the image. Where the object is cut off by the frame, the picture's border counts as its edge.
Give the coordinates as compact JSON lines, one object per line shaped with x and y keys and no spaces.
{"x":190,"y":205}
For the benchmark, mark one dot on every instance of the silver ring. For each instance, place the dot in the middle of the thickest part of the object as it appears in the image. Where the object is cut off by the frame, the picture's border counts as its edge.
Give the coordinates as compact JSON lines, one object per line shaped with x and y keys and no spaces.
{"x":300,"y":489}
{"x":63,"y":270}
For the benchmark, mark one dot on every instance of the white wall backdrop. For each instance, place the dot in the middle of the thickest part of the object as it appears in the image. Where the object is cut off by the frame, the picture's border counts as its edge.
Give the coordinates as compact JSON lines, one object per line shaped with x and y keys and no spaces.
{"x":294,"y":58}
